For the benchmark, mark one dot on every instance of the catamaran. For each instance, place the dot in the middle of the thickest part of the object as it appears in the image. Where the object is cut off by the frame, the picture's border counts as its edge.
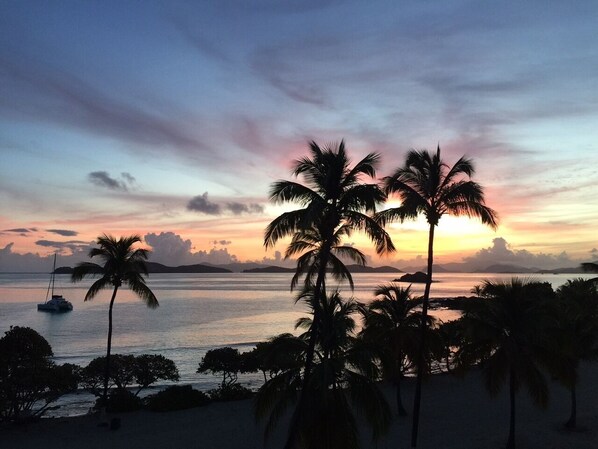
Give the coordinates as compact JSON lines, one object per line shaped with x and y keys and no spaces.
{"x":56,"y":303}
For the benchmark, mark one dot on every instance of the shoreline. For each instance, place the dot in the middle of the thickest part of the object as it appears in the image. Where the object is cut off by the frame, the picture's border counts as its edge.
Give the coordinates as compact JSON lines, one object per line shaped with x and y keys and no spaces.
{"x":457,"y":413}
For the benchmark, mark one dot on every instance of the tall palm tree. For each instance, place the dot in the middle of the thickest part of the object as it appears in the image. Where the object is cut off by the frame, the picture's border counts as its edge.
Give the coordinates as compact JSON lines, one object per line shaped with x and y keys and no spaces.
{"x":122,"y":264}
{"x":334,"y":202}
{"x":427,"y":185}
{"x":509,"y":333}
{"x":340,"y":383}
{"x":391,"y":324}
{"x":579,"y":323}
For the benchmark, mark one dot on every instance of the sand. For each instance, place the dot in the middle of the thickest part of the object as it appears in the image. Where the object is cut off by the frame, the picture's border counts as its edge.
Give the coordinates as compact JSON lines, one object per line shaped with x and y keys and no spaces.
{"x":456,"y":413}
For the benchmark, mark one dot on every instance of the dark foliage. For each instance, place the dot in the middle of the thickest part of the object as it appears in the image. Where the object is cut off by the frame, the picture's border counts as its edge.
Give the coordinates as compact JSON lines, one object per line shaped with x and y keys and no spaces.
{"x":121,"y":401}
{"x":176,"y":397}
{"x":230,"y":392}
{"x":127,"y":370}
{"x":28,"y":376}
{"x":225,"y":360}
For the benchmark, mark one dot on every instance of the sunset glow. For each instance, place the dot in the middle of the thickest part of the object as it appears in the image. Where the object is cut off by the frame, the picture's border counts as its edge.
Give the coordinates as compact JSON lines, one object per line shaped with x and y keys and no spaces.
{"x":175,"y":128}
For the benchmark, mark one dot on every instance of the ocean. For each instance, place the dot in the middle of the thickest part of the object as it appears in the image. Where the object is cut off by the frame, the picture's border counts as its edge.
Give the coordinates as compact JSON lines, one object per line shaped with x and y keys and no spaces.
{"x":197,"y":312}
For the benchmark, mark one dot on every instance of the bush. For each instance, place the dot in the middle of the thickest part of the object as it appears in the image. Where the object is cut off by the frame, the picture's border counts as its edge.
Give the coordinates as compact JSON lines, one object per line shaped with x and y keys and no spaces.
{"x":28,"y":377}
{"x":234,"y":392}
{"x":122,"y":401}
{"x":177,"y":397}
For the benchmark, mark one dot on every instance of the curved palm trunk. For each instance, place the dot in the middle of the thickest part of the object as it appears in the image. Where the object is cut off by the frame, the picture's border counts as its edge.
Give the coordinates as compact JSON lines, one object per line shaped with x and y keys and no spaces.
{"x":572,"y":422}
{"x":108,"y":347}
{"x":511,"y":440}
{"x":319,"y":293}
{"x":423,"y":332}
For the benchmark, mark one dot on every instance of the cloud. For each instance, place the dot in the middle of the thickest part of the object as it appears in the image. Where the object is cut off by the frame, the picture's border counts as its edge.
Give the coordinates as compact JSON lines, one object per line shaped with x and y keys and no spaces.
{"x":72,"y":245}
{"x":69,"y":255}
{"x":63,"y":232}
{"x":501,"y":253}
{"x":240,"y":208}
{"x":222,"y":242}
{"x":103,"y":179}
{"x":171,"y":249}
{"x":23,"y":232}
{"x":200,"y":203}
{"x":41,"y":92}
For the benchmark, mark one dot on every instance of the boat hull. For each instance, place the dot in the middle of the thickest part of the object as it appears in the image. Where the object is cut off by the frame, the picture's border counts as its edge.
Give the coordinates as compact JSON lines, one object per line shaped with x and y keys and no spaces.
{"x":56,"y":304}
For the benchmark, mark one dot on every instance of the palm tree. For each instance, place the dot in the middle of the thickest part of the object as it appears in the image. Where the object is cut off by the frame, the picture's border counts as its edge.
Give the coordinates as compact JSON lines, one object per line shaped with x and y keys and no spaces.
{"x":509,"y":333}
{"x":334,"y":203}
{"x":340,"y":383}
{"x":427,"y":185}
{"x":121,"y":264}
{"x":579,"y":321}
{"x":391,"y":324}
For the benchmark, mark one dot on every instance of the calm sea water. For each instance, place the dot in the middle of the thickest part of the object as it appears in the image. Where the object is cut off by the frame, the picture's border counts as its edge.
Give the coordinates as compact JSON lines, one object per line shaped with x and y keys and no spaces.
{"x":197,"y":312}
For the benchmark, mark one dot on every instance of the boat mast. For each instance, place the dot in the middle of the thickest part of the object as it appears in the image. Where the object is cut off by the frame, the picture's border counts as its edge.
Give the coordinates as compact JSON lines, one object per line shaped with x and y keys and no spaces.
{"x":52,"y":276}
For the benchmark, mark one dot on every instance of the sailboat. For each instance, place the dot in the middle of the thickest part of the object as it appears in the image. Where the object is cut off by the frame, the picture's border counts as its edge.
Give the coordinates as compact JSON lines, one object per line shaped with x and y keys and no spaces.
{"x":56,"y":303}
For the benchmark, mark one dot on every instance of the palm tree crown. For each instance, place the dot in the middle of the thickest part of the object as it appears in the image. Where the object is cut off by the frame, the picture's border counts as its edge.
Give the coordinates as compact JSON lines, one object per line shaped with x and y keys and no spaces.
{"x":427,"y":185}
{"x":335,"y":203}
{"x":122,"y":264}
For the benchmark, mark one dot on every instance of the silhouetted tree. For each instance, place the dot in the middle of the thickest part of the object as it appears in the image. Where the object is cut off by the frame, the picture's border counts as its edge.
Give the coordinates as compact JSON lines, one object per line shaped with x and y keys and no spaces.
{"x":509,"y":332}
{"x":28,"y":376}
{"x":579,"y":322}
{"x":334,"y":203}
{"x":225,"y":360}
{"x":427,"y":185}
{"x":122,"y":264}
{"x":340,"y":383}
{"x":391,"y":324}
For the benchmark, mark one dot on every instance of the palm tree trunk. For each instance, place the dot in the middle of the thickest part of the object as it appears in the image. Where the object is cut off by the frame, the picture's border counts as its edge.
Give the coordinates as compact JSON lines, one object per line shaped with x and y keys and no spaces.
{"x":511,"y":440}
{"x":319,"y":293}
{"x":422,"y":348}
{"x":108,"y":347}
{"x":572,"y":422}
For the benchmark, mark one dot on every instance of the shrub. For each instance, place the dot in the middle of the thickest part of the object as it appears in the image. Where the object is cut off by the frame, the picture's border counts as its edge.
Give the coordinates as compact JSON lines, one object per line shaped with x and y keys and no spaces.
{"x":233,"y":392}
{"x":177,"y":397}
{"x":122,"y":401}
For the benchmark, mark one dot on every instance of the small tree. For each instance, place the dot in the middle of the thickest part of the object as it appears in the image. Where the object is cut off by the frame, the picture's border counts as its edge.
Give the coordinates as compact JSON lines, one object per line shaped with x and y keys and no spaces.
{"x":128,"y":370}
{"x":225,"y":360}
{"x":267,"y":358}
{"x":150,"y":368}
{"x":28,"y":376}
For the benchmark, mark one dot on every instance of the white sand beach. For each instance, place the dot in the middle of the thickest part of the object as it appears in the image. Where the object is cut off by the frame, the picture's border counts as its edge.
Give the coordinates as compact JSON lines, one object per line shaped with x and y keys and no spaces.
{"x":457,"y":413}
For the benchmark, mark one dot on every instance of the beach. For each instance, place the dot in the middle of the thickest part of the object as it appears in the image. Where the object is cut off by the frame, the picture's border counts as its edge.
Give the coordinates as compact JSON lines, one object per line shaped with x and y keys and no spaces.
{"x":457,"y":413}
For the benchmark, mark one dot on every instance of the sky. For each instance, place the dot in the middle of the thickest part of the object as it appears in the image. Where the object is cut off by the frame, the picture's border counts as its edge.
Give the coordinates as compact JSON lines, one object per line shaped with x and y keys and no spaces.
{"x":171,"y":120}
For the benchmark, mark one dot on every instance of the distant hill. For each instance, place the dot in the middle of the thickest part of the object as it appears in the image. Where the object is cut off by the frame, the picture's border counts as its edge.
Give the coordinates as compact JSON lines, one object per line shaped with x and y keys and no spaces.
{"x":269,"y":269}
{"x":154,"y":267}
{"x":505,"y":268}
{"x":352,"y":269}
{"x":449,"y":268}
{"x":574,"y":270}
{"x":361,"y":269}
